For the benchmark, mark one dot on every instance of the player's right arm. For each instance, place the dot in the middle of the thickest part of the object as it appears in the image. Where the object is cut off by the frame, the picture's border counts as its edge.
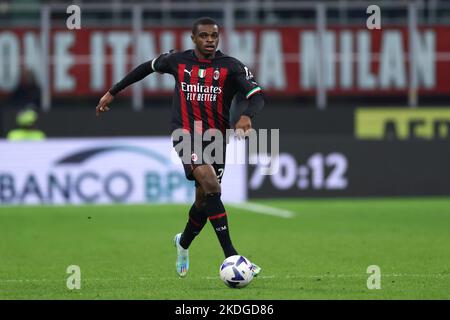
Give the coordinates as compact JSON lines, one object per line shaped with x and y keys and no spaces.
{"x":159,"y":64}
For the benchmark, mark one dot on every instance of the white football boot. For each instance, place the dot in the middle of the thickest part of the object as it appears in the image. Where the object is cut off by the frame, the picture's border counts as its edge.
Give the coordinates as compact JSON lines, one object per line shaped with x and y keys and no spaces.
{"x":182,"y":262}
{"x":255,"y":269}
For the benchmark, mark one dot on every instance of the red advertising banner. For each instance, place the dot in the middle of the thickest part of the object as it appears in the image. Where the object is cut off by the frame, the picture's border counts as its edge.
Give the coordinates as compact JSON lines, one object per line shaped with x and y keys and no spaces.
{"x":284,"y":60}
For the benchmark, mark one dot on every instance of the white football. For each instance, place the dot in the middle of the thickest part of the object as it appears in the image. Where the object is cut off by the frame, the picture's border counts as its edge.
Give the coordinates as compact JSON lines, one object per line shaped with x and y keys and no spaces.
{"x":236,"y":272}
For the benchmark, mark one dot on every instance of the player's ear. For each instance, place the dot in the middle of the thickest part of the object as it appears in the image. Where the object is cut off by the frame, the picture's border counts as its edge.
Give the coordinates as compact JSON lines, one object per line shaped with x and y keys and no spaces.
{"x":192,"y":38}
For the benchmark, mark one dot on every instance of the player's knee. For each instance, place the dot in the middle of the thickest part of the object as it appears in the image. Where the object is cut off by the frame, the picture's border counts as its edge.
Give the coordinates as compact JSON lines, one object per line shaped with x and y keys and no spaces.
{"x":201,"y":206}
{"x":200,"y":203}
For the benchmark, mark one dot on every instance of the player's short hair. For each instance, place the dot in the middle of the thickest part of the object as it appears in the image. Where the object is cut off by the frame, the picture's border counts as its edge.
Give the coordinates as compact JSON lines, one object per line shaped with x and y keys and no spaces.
{"x":203,"y":21}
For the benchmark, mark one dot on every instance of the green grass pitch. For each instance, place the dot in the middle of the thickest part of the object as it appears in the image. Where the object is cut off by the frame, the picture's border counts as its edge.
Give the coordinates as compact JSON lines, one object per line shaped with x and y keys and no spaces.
{"x":126,"y":252}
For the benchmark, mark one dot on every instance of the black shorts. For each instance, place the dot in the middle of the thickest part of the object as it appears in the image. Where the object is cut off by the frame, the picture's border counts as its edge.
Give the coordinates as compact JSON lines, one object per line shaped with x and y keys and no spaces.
{"x":205,"y":153}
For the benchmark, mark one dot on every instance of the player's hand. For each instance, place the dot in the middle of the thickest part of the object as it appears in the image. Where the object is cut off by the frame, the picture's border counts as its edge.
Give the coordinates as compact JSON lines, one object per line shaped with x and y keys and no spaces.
{"x":243,"y":127}
{"x":103,"y":104}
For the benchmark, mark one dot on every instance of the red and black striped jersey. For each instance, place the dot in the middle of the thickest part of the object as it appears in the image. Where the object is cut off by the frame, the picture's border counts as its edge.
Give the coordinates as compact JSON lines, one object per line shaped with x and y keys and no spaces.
{"x":204,"y":88}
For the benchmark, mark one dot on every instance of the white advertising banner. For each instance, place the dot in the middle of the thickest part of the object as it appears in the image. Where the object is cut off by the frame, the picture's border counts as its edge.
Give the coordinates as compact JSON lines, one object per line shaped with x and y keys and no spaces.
{"x":106,"y":170}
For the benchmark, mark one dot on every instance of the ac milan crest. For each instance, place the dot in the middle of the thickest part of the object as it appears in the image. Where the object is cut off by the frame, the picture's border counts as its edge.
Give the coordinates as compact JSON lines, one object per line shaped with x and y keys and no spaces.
{"x":216,"y":75}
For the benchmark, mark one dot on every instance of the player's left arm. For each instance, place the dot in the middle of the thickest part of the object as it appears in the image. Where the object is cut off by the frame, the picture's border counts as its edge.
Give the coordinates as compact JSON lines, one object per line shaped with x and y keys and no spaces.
{"x":252,"y":91}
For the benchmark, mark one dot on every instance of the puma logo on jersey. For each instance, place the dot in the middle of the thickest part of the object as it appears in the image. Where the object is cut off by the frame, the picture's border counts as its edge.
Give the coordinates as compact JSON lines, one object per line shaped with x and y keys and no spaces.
{"x":188,"y":72}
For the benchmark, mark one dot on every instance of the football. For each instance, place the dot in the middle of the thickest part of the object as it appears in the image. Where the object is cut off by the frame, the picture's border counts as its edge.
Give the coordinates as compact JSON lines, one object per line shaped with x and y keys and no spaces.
{"x":236,"y":272}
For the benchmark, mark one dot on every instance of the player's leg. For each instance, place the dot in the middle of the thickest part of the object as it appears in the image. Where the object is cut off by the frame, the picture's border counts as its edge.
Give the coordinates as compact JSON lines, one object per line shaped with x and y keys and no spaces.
{"x":182,"y":241}
{"x":197,"y":219}
{"x":206,"y":176}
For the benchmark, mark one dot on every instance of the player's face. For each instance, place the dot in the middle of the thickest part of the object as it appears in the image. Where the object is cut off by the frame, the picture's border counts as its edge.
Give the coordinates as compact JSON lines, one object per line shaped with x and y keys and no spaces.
{"x":206,"y":39}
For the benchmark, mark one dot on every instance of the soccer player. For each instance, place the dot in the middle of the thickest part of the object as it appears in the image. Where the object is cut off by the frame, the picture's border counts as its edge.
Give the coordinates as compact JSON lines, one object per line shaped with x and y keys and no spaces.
{"x":206,"y":80}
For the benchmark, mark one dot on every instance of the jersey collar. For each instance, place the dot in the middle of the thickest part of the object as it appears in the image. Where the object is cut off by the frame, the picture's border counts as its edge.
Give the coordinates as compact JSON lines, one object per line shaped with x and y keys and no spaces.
{"x":218,"y":54}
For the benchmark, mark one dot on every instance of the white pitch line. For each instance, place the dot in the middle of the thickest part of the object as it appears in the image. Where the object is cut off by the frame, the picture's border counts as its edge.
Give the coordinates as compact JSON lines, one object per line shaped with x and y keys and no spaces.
{"x":263,"y":209}
{"x":297,"y":276}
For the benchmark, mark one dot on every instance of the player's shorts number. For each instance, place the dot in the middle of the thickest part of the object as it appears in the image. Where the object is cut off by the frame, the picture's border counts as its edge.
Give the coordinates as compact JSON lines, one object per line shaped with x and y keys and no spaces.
{"x":219,"y":176}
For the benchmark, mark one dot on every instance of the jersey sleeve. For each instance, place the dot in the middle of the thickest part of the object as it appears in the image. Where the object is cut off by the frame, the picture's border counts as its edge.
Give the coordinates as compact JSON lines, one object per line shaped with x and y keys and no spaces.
{"x":163,"y":63}
{"x":245,"y":81}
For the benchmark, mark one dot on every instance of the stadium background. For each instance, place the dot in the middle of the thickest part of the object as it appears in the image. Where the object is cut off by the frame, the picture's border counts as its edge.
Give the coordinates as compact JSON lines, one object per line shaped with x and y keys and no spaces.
{"x":362,"y":114}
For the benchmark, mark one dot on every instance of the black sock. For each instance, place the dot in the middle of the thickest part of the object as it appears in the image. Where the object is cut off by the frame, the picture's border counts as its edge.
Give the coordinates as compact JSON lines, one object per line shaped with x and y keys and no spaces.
{"x":218,"y":218}
{"x":196,"y":221}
